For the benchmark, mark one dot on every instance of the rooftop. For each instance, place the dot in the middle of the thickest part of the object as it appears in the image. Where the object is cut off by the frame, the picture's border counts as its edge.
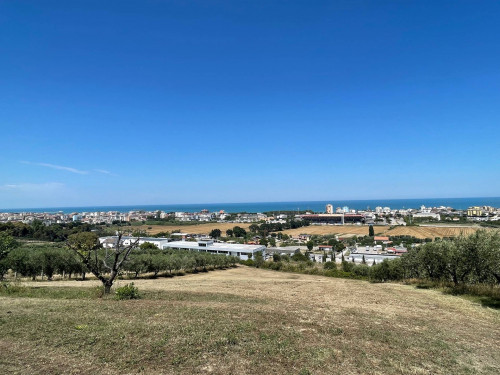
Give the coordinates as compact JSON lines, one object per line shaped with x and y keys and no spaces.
{"x":217,"y":246}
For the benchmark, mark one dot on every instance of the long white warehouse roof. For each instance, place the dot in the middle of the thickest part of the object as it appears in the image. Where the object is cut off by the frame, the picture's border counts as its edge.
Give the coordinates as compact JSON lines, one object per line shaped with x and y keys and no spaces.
{"x":218,"y":246}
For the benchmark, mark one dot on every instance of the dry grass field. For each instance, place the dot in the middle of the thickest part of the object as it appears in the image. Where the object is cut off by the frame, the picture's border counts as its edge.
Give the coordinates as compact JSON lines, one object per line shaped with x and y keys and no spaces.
{"x":193,"y":229}
{"x":418,"y":232}
{"x":432,"y":232}
{"x":248,"y":321}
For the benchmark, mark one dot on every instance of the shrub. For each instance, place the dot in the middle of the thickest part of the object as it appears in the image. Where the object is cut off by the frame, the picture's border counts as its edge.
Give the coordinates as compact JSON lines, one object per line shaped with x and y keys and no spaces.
{"x":347,"y":266}
{"x":330,"y":266}
{"x":128,"y":291}
{"x":361,"y":270}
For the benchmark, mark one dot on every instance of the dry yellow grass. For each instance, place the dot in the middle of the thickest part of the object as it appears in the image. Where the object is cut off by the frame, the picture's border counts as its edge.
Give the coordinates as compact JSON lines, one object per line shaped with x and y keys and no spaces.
{"x":418,"y":232}
{"x":251,"y":321}
{"x":432,"y":232}
{"x":193,"y":229}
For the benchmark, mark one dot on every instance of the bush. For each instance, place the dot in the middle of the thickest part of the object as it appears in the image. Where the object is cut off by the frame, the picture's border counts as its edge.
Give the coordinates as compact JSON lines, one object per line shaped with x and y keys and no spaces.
{"x":330,"y":266}
{"x":347,"y":266}
{"x":128,"y":291}
{"x":361,"y":270}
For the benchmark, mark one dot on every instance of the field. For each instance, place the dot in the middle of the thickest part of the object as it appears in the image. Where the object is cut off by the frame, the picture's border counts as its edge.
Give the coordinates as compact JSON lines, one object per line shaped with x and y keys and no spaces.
{"x":418,"y":232}
{"x":432,"y":232}
{"x":347,"y":230}
{"x":193,"y":229}
{"x":247,"y":321}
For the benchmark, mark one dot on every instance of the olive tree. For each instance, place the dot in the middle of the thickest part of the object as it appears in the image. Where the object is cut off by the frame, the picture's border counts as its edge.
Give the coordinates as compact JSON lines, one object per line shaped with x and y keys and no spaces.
{"x":106,"y":263}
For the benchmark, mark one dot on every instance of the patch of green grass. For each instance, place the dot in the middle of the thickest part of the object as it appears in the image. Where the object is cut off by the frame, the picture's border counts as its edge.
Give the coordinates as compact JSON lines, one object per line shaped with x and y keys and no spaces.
{"x":18,"y":290}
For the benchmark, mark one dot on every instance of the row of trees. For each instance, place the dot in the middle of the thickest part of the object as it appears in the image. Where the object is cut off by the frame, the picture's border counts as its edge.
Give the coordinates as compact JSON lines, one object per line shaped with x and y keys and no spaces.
{"x":83,"y":253}
{"x":237,"y":231}
{"x":41,"y":260}
{"x":474,"y":259}
{"x":462,"y":261}
{"x":37,"y":230}
{"x":266,"y":228}
{"x":149,"y":259}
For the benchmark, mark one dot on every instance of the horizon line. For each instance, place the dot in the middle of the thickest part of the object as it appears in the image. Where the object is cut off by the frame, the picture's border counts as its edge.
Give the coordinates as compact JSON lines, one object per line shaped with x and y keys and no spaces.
{"x":255,"y":202}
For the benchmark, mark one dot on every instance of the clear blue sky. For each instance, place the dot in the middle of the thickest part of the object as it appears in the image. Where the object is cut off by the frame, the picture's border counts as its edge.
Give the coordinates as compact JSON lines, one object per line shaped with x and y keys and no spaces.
{"x":150,"y":102}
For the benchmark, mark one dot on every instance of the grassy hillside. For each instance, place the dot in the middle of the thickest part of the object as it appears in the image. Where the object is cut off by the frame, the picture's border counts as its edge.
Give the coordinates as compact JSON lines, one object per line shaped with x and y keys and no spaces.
{"x":247,"y":321}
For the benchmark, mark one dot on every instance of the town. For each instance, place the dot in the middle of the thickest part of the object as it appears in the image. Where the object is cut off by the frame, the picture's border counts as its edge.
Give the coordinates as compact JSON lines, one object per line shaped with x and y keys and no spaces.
{"x":331,"y":215}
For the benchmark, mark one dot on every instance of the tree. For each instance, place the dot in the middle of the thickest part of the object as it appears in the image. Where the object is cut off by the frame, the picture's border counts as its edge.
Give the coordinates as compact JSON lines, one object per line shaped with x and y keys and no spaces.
{"x":7,"y":243}
{"x":229,"y":233}
{"x":105,"y":264}
{"x":310,"y":245}
{"x":148,"y":246}
{"x":239,"y":232}
{"x":215,"y":233}
{"x":259,"y":260}
{"x":371,"y":232}
{"x":254,"y":228}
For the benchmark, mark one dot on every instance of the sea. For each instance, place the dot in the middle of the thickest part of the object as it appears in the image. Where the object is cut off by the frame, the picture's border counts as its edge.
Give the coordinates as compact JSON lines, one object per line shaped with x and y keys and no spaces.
{"x":315,"y":206}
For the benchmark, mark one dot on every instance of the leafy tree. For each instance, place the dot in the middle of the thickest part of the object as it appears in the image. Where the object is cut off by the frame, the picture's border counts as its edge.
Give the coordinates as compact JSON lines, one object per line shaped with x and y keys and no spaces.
{"x":259,"y":260}
{"x":215,"y":233}
{"x":371,"y":232}
{"x":299,"y":257}
{"x":148,"y":246}
{"x":310,"y":245}
{"x":136,"y":264}
{"x":105,"y":264}
{"x":229,"y":233}
{"x":7,"y":243}
{"x":239,"y":232}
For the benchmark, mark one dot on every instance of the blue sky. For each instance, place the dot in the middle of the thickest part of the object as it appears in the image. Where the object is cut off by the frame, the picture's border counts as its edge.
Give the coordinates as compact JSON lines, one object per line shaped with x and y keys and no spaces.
{"x":150,"y":102}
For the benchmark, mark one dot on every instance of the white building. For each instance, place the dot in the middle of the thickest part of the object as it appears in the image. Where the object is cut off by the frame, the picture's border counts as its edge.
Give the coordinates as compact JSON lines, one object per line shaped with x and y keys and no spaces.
{"x":208,"y":246}
{"x":110,"y":242}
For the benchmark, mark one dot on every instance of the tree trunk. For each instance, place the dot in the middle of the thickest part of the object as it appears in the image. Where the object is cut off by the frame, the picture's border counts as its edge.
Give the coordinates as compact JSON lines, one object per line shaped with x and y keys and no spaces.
{"x":107,"y":287}
{"x":83,"y":276}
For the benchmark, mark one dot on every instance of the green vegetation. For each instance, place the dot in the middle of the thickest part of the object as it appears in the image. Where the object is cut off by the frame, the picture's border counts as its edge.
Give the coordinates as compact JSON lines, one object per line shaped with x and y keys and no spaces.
{"x":105,"y":264}
{"x":465,"y":265}
{"x":37,"y":230}
{"x":128,"y":291}
{"x":265,"y":229}
{"x":47,"y":260}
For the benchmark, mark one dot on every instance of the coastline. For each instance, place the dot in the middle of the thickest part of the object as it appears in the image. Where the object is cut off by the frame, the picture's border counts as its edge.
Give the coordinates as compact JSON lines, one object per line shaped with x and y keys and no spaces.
{"x":316,"y":206}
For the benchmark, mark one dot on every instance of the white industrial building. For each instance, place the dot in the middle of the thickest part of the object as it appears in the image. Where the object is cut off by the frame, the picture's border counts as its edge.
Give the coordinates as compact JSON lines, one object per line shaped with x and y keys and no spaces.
{"x":208,"y":246}
{"x":110,"y":242}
